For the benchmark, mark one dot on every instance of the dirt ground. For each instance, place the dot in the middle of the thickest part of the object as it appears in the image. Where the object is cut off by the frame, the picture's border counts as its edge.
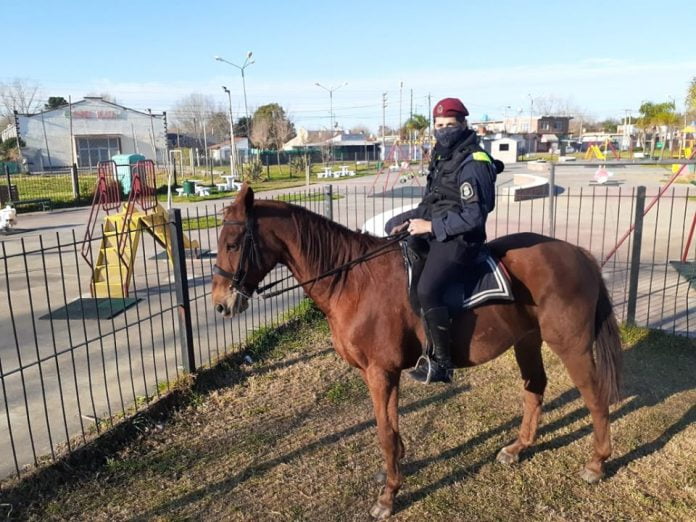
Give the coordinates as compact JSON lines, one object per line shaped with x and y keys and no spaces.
{"x":292,"y":437}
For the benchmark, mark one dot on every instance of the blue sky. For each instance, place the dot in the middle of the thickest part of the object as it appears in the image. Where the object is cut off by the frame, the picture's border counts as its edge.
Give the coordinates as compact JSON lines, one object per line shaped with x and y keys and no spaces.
{"x":603,"y":57}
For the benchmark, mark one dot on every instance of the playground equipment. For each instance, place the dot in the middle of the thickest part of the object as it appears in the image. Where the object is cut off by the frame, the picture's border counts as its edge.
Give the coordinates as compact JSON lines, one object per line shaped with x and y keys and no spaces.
{"x":595,"y":152}
{"x":114,"y":263}
{"x":405,"y":172}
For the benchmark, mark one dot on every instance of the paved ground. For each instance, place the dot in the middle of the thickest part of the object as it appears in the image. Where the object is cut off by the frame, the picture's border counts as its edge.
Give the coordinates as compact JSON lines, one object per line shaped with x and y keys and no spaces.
{"x":116,"y":363}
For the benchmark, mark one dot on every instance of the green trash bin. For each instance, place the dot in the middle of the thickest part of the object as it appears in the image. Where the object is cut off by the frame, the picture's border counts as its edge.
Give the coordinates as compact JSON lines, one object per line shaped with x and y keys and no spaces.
{"x":124,"y":164}
{"x":189,"y":188}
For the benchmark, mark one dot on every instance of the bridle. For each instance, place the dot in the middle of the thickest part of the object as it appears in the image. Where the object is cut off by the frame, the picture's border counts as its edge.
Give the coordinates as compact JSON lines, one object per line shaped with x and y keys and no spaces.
{"x":249,"y":255}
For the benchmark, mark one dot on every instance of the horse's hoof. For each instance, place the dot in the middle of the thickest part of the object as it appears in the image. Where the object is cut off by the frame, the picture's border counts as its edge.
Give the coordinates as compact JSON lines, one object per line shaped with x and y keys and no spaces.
{"x":380,"y":477}
{"x":380,"y":512}
{"x":505,"y":457}
{"x":591,"y":477}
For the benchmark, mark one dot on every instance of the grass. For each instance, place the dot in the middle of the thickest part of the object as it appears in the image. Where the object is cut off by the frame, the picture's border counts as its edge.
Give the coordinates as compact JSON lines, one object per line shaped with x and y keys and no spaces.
{"x":58,"y":187}
{"x":291,"y":437}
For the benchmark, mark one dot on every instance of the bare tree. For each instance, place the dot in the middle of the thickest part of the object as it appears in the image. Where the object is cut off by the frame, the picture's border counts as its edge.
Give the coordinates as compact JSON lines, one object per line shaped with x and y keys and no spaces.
{"x":360,"y":129}
{"x":283,"y":130}
{"x":18,"y":95}
{"x":195,"y":110}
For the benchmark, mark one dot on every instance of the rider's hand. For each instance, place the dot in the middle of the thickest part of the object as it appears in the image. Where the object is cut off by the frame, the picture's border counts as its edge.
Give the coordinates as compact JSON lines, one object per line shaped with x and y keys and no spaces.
{"x":420,"y":226}
{"x":399,"y":228}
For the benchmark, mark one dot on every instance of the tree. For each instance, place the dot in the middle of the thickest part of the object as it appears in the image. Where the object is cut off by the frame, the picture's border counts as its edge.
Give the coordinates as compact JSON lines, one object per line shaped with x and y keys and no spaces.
{"x":18,"y":95}
{"x":271,"y":128}
{"x":107,"y":97}
{"x":609,"y":125}
{"x":218,"y":127}
{"x":275,"y":126}
{"x":191,"y":113}
{"x":659,"y":119}
{"x":241,"y":127}
{"x":360,"y":129}
{"x":55,"y":102}
{"x":690,"y":100}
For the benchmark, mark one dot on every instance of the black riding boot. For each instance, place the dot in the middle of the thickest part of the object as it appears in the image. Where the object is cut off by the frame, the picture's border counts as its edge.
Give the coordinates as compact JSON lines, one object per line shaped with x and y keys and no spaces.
{"x":439,"y":367}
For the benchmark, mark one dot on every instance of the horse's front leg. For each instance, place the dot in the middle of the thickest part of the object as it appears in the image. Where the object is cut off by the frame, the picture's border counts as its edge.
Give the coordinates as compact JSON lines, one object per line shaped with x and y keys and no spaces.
{"x":384,"y":390}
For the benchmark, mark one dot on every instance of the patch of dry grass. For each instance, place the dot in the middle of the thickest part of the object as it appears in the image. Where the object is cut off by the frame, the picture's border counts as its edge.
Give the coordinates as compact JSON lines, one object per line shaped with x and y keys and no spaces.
{"x":292,"y":438}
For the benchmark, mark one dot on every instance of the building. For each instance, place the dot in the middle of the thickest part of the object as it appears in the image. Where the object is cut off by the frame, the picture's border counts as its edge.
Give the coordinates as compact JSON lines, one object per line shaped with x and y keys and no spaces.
{"x":221,"y":151}
{"x":346,"y":146}
{"x":505,"y":149}
{"x":87,"y":132}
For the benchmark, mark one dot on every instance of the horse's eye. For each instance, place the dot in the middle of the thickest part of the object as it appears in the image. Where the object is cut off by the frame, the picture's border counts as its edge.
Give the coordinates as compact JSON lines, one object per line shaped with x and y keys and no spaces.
{"x":234,"y":247}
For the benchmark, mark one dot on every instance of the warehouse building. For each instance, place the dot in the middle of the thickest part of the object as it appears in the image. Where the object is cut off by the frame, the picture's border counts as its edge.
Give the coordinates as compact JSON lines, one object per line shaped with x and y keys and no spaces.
{"x":87,"y":132}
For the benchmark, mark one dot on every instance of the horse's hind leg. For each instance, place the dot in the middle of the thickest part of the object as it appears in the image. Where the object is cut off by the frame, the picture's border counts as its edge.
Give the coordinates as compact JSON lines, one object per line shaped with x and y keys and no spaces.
{"x":579,"y":362}
{"x":528,"y":355}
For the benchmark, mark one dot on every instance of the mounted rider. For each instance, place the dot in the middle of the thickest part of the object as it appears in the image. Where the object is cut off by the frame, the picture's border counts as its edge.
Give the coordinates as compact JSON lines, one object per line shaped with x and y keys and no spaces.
{"x":450,"y":223}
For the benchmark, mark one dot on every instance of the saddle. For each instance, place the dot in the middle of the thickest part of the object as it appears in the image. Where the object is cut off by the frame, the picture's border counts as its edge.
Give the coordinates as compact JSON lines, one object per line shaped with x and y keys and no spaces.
{"x":485,"y":279}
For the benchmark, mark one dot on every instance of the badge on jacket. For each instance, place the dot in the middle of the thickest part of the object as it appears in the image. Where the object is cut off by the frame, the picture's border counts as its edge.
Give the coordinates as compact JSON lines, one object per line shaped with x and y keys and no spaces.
{"x":467,"y":193}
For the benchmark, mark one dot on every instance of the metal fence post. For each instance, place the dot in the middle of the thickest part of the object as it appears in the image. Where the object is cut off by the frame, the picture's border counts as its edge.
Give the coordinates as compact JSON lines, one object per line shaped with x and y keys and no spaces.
{"x":9,"y":182}
{"x":75,"y":182}
{"x":552,"y":200}
{"x":635,"y":257}
{"x":328,"y":202}
{"x":182,"y":290}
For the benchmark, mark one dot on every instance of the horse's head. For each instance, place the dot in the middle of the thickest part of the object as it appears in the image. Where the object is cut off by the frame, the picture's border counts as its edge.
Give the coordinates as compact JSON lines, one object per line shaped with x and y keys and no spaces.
{"x":242,"y":261}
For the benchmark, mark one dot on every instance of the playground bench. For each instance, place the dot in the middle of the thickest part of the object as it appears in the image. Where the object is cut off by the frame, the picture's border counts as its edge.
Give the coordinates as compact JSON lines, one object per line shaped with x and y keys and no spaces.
{"x":45,"y":203}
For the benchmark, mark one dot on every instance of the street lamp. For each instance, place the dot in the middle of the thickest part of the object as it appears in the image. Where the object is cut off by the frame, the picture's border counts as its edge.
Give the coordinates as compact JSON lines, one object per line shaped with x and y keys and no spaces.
{"x":233,"y":148}
{"x":247,"y":62}
{"x":331,"y":90}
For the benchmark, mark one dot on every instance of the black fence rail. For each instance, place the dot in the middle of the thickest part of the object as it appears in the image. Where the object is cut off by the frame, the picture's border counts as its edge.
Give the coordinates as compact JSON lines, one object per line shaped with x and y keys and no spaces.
{"x":72,"y":365}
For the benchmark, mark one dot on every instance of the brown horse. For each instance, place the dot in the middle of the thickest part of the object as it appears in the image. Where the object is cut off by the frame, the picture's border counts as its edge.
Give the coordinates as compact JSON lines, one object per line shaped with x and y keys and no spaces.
{"x":560,"y":299}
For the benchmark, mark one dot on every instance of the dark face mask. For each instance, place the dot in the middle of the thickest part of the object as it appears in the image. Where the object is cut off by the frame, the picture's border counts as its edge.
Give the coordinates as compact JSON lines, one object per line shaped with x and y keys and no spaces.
{"x":448,"y":136}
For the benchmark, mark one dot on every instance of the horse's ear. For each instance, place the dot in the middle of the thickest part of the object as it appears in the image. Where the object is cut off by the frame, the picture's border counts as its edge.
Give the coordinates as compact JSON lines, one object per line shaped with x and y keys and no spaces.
{"x":245,"y":196}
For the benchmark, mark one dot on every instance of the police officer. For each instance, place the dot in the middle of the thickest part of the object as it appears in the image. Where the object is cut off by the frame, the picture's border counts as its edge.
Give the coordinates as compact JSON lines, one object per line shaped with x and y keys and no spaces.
{"x":452,"y":219}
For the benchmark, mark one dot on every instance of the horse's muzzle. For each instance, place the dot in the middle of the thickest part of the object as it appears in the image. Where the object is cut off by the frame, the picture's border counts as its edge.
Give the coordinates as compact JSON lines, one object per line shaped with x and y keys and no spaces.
{"x":233,"y":304}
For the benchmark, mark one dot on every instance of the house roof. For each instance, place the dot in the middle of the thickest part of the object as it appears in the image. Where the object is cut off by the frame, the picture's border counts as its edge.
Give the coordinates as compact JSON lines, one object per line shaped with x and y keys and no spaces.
{"x":226,"y":143}
{"x":87,"y":99}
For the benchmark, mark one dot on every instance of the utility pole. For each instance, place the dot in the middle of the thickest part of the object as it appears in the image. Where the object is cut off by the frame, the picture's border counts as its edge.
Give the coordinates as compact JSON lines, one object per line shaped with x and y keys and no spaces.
{"x":411,"y":148}
{"x":401,"y":96}
{"x":331,"y":91}
{"x":233,"y":148}
{"x":152,"y":128}
{"x":384,"y":123}
{"x":72,"y":138}
{"x":529,"y":129}
{"x":430,"y":121}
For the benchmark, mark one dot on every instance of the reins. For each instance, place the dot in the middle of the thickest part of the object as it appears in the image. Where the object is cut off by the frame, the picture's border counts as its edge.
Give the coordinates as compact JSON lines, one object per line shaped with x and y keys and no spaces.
{"x":249,"y":244}
{"x":365,"y":257}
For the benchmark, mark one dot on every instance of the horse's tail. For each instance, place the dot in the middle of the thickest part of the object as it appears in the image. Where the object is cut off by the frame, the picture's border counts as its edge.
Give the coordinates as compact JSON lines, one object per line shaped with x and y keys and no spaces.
{"x":608,"y":354}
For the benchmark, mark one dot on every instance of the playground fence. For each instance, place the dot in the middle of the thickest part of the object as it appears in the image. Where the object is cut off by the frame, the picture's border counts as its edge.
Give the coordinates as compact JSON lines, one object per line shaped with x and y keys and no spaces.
{"x":71,"y":366}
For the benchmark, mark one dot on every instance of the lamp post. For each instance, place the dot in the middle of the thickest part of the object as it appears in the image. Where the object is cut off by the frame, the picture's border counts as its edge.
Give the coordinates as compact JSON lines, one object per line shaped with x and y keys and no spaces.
{"x":247,"y":62}
{"x":233,"y":148}
{"x":331,"y":90}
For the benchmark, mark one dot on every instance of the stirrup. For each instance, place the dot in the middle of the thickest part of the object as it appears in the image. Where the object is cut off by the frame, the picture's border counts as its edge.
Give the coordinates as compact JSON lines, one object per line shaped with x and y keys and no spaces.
{"x":425,"y":365}
{"x":429,"y":364}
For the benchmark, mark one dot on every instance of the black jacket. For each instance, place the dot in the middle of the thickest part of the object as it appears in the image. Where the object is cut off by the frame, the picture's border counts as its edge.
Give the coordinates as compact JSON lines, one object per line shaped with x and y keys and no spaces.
{"x":460,"y":191}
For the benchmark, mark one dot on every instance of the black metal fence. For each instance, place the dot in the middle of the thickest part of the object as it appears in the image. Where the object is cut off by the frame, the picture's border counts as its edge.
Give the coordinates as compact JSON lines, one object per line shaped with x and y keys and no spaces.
{"x":71,"y":365}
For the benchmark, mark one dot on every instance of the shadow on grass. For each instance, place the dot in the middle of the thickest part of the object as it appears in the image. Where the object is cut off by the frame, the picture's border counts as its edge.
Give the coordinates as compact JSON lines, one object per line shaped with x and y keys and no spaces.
{"x":90,"y":459}
{"x":655,"y":368}
{"x":225,"y":486}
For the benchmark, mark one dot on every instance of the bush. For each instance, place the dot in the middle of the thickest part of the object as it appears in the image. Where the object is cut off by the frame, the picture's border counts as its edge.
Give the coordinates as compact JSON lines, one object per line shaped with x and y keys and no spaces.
{"x":252,"y":170}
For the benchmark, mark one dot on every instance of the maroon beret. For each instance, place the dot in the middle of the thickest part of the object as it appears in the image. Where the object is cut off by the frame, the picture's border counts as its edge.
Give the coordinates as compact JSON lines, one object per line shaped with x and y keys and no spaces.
{"x":449,"y":107}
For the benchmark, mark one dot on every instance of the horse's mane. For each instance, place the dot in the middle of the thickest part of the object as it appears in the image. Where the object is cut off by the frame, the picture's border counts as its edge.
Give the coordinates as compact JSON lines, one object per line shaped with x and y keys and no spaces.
{"x":325,"y":243}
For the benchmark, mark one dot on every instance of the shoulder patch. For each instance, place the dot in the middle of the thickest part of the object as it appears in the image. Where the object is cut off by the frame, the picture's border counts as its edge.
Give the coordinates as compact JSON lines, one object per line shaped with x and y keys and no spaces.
{"x":466,"y":191}
{"x":481,"y":156}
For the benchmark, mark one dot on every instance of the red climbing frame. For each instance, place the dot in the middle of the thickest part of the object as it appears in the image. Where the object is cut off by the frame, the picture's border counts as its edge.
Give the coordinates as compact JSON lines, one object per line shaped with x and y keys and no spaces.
{"x":107,"y":197}
{"x":143,"y":193}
